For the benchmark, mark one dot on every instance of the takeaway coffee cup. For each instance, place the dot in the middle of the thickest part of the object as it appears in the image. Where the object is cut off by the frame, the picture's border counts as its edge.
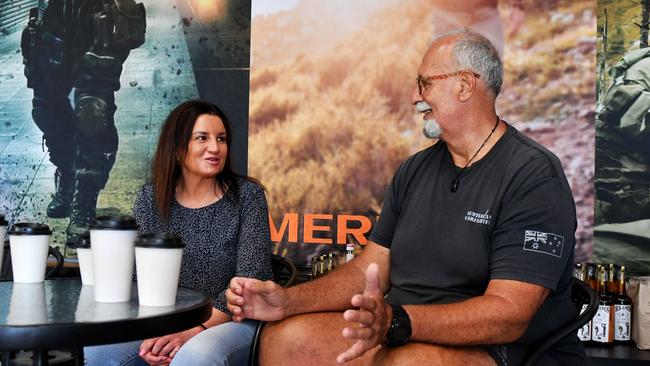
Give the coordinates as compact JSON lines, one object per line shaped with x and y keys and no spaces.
{"x":112,"y":239}
{"x":158,"y":264}
{"x":29,"y":244}
{"x":3,"y":232}
{"x":84,"y":255}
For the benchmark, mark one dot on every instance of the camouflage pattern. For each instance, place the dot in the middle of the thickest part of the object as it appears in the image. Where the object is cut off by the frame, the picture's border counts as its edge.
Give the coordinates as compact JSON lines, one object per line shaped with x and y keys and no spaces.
{"x":622,"y":151}
{"x":79,"y":45}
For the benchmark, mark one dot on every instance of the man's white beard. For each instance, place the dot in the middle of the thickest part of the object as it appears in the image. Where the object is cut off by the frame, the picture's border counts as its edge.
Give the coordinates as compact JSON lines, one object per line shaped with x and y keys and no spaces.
{"x":431,"y":127}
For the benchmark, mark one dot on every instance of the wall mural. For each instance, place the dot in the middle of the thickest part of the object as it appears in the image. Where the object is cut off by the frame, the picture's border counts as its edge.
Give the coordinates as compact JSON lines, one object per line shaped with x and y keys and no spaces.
{"x":330,"y":117}
{"x":622,"y":214}
{"x":85,"y":87}
{"x":322,"y":119}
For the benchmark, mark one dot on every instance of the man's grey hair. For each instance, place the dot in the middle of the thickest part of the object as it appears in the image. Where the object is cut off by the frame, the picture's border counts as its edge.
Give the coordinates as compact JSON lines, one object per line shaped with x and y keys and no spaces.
{"x":474,"y":51}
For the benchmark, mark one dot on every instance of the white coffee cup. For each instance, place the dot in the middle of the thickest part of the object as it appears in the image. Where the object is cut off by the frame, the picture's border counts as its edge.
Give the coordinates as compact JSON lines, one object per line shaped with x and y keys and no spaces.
{"x":29,"y":244}
{"x":158,"y":263}
{"x":85,"y":258}
{"x":112,"y":239}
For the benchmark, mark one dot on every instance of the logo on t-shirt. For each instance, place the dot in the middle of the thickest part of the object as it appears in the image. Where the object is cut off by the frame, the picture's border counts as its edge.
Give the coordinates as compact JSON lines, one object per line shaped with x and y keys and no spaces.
{"x":479,"y":218}
{"x":541,"y":242}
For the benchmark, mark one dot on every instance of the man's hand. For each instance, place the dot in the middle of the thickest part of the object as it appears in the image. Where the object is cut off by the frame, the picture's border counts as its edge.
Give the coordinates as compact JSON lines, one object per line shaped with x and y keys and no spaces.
{"x":159,"y":351}
{"x":249,"y":298}
{"x":370,"y":322}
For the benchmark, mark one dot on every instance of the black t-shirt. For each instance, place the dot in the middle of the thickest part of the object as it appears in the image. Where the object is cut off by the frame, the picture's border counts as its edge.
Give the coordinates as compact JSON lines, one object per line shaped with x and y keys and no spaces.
{"x":512,"y":217}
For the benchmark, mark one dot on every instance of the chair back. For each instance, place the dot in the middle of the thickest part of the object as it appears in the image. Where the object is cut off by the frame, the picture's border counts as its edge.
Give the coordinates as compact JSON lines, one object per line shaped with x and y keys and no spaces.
{"x":284,"y":272}
{"x":579,"y":290}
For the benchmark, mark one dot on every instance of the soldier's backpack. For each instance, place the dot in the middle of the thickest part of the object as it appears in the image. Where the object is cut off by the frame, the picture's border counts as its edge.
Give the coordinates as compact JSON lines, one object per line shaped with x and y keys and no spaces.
{"x":121,"y":24}
{"x":626,"y":103}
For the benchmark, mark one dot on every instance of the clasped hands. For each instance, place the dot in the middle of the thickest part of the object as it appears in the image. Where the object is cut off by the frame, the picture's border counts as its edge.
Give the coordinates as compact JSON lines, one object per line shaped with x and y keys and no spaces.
{"x":367,"y":322}
{"x":159,"y":351}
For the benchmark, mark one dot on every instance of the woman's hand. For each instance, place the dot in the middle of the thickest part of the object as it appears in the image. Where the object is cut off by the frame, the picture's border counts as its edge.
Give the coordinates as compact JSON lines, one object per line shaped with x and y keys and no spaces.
{"x":159,"y":351}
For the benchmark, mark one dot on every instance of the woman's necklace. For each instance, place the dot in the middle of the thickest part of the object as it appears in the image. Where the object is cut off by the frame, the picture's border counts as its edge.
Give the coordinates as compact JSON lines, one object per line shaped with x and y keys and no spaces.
{"x":454,"y":183}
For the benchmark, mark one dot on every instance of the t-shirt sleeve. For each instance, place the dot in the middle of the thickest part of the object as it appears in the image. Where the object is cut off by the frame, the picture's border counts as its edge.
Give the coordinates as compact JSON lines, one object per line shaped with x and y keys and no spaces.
{"x":534,"y":237}
{"x":384,"y":229}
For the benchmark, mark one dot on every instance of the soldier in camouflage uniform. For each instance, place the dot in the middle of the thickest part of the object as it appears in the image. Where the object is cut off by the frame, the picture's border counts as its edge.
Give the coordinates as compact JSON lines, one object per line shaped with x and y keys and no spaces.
{"x":80,"y":45}
{"x":622,"y":142}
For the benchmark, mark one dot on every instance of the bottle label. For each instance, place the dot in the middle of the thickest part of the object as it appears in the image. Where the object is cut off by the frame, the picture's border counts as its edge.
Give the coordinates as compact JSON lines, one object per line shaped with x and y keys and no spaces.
{"x":622,"y":320}
{"x":584,"y":333}
{"x":600,"y":325}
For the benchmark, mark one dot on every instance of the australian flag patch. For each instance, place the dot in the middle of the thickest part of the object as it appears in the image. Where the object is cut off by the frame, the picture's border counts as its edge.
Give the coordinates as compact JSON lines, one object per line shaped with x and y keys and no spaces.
{"x":541,"y":242}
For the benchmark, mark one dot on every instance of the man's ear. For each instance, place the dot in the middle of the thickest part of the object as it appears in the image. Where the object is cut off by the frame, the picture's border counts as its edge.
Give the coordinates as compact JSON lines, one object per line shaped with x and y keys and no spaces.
{"x":467,"y":86}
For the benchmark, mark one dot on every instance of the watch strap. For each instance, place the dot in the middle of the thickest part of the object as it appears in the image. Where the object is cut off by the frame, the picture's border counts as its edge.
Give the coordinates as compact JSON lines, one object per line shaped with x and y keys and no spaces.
{"x":399,"y":331}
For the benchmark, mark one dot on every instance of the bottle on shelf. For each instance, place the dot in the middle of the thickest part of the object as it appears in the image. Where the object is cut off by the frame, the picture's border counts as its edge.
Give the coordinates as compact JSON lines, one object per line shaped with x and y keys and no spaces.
{"x":584,"y":333}
{"x":591,"y":275}
{"x":579,"y":271}
{"x":622,"y":311}
{"x":602,"y":325}
{"x":329,"y":263}
{"x":349,"y":252}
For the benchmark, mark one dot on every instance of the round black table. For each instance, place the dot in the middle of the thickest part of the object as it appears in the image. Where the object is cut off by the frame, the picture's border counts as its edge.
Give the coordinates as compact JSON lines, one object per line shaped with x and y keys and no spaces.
{"x":63,"y":314}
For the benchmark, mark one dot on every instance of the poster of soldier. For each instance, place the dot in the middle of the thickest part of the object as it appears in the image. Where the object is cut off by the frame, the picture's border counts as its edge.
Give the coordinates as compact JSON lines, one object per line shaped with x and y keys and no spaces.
{"x":622,"y":179}
{"x":318,"y":92}
{"x":84,"y":88}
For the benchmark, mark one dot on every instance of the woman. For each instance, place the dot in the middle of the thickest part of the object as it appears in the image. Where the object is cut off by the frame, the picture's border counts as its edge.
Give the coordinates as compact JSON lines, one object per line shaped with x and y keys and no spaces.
{"x":223,"y":220}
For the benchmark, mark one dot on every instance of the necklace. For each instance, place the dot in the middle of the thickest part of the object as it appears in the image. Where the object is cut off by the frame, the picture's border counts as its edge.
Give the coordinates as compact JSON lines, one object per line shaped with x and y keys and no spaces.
{"x":456,"y":181}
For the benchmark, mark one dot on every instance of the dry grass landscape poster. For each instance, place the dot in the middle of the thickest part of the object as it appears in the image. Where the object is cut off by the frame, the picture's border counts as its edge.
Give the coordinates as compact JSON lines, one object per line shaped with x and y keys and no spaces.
{"x":331,"y":119}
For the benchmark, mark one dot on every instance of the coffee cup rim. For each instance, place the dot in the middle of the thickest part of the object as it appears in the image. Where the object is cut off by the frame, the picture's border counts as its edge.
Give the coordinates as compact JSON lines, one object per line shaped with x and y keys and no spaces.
{"x":159,"y":240}
{"x":114,"y":223}
{"x":29,"y":228}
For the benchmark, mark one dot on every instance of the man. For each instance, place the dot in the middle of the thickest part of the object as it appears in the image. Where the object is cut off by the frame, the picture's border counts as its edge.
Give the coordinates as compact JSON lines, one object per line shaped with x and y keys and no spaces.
{"x":474,"y":245}
{"x":82,"y":45}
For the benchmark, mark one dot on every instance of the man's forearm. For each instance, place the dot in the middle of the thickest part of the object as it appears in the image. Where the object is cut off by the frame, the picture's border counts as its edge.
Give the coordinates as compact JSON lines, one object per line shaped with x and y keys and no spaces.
{"x":328,"y":293}
{"x":334,"y":291}
{"x":487,"y":319}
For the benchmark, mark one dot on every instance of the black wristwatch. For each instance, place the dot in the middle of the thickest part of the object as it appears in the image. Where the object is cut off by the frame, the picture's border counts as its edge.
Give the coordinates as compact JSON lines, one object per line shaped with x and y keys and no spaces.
{"x":400,"y":328}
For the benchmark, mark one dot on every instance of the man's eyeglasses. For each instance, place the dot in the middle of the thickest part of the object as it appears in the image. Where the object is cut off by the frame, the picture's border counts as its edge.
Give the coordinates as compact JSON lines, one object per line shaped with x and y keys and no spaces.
{"x":424,"y":83}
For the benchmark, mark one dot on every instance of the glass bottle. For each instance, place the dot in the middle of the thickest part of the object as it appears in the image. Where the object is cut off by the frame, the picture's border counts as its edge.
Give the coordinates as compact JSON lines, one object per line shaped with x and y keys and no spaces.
{"x":602,"y":327}
{"x":622,"y":311}
{"x":349,"y":252}
{"x":584,"y":333}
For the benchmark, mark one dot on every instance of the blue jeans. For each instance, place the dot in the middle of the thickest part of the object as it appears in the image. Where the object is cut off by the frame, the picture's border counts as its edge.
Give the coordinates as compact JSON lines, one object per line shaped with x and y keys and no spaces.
{"x":225,"y":344}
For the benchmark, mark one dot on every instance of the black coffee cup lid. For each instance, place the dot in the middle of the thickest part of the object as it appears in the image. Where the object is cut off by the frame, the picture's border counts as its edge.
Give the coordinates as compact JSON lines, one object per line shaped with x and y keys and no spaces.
{"x":114,"y":223}
{"x":159,"y":240}
{"x":3,"y":222}
{"x":28,"y":228}
{"x":83,"y":242}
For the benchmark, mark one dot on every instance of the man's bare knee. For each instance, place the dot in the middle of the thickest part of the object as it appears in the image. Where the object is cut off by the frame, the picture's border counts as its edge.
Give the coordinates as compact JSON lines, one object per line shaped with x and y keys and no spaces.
{"x":300,"y":339}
